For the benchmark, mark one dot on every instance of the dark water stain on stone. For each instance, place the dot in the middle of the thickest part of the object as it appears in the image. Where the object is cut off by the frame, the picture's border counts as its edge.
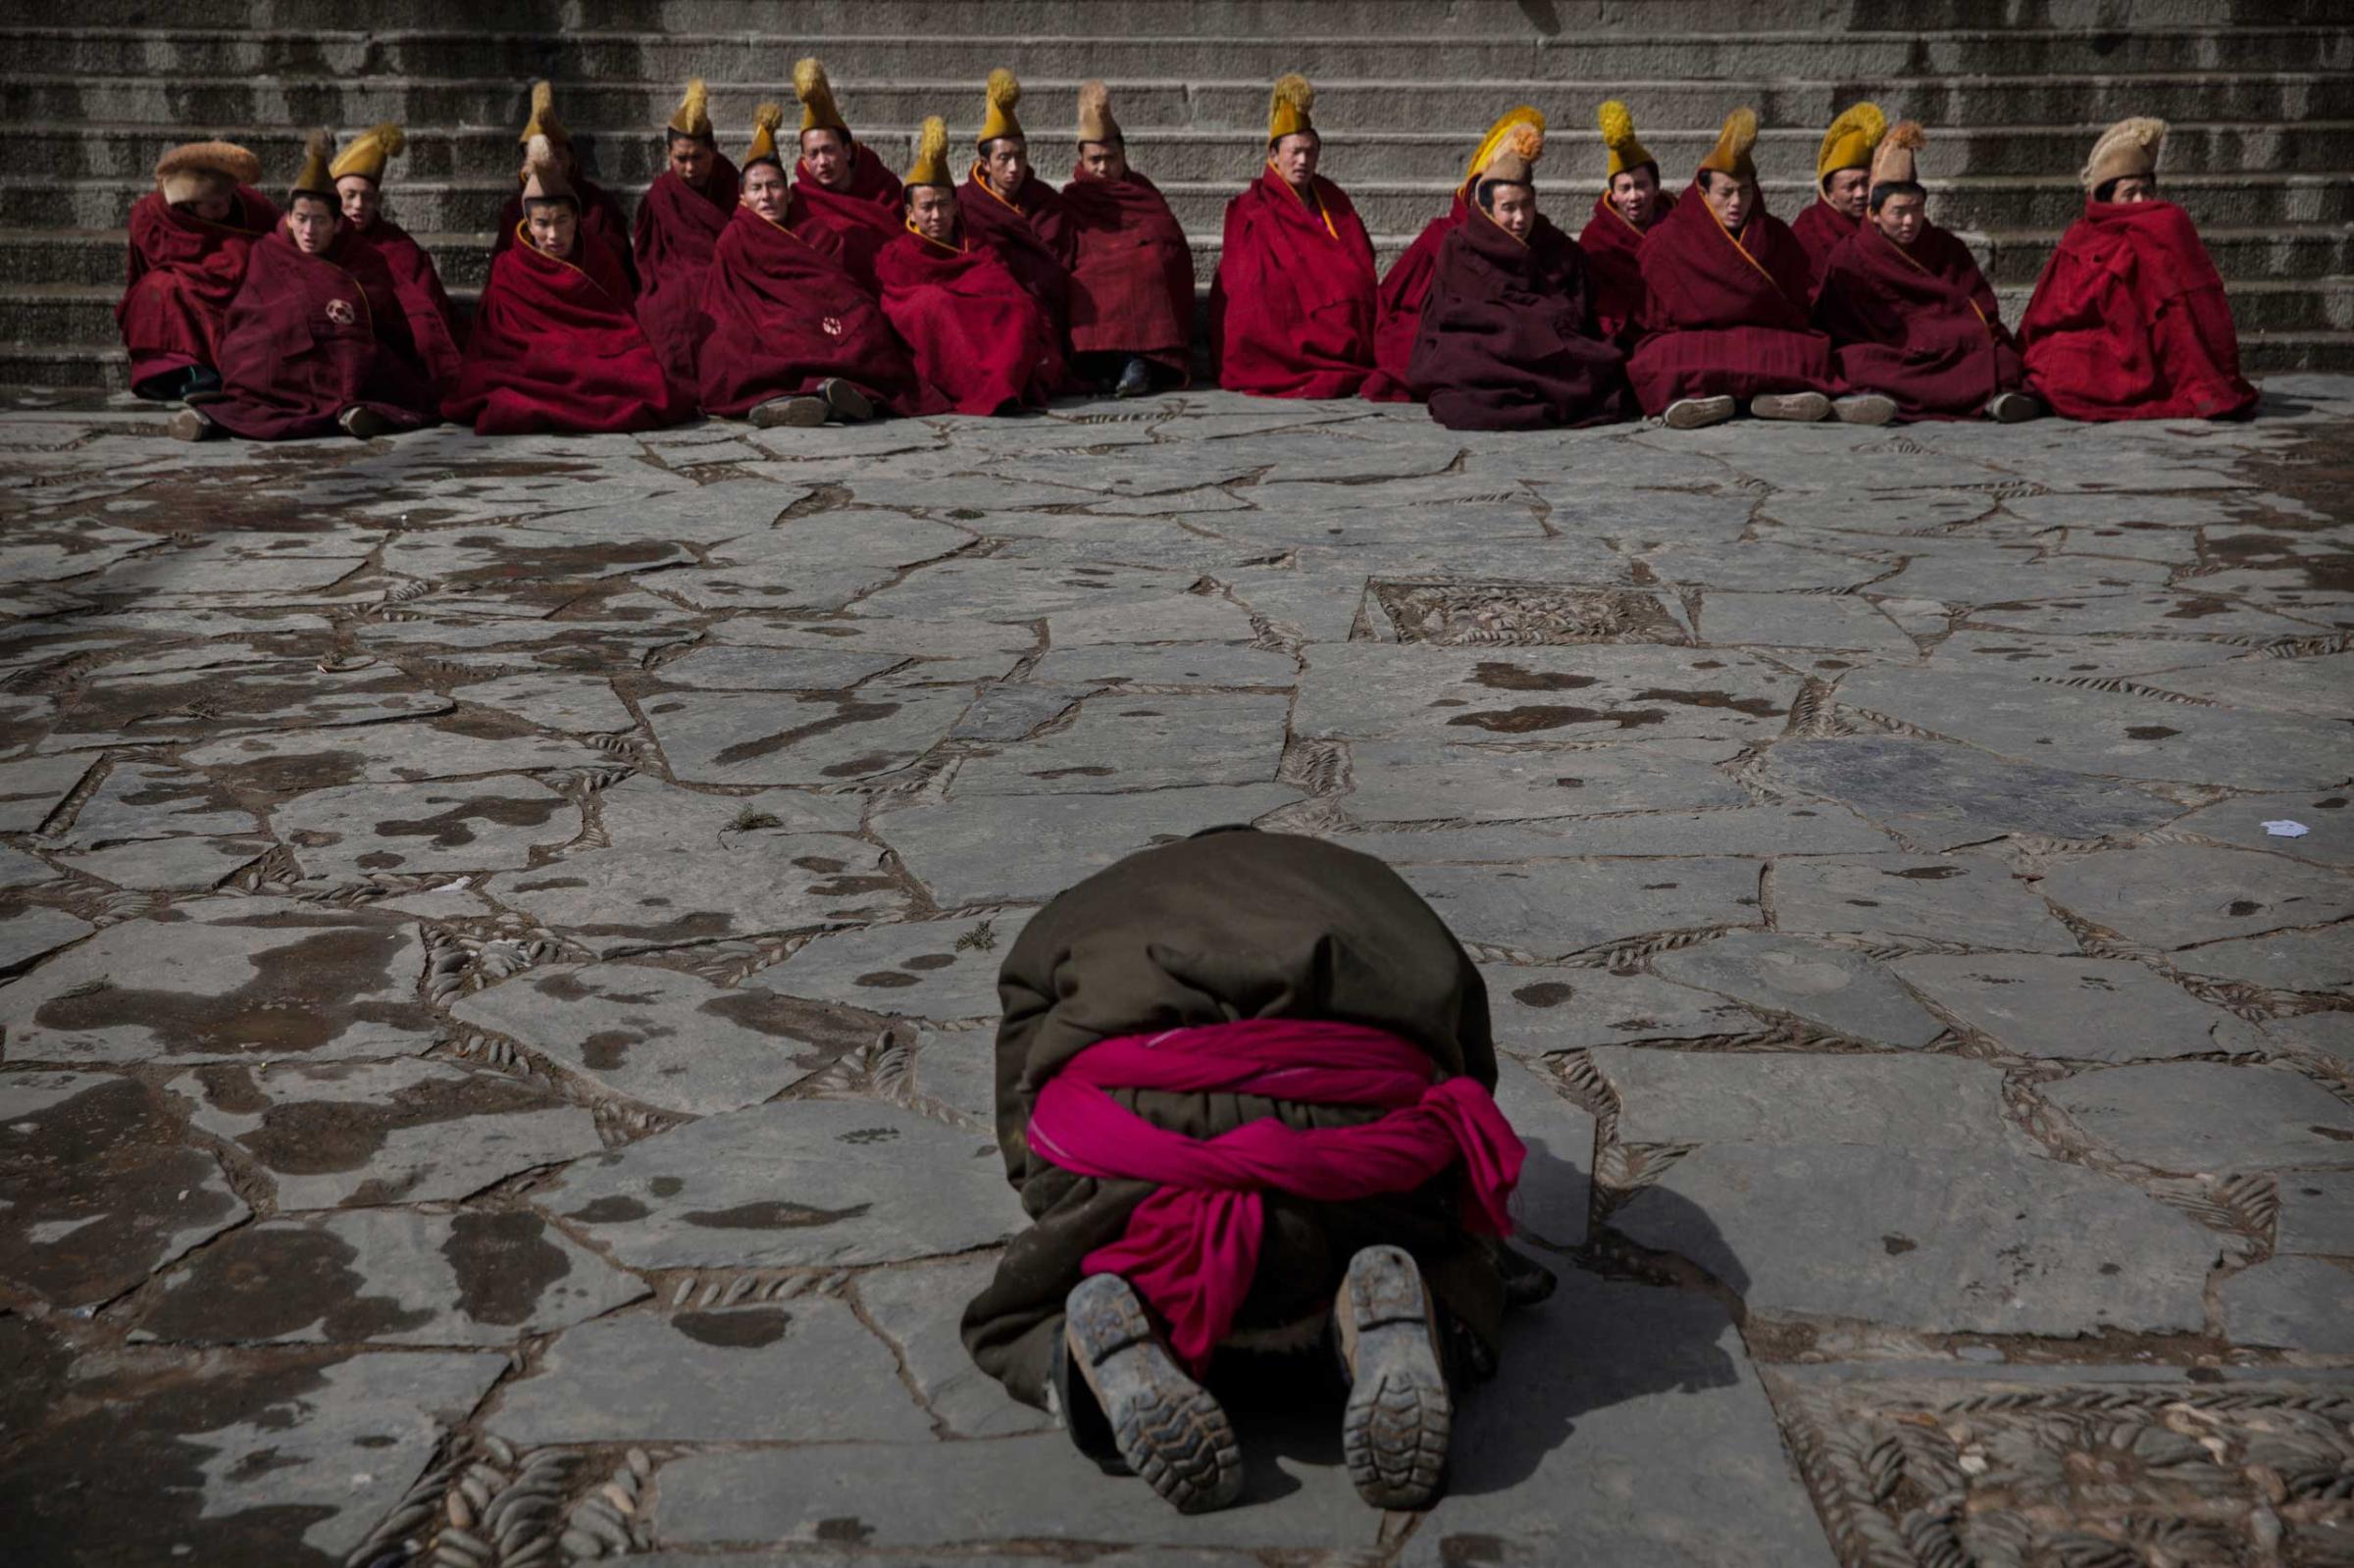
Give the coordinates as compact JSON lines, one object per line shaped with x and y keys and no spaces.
{"x":2242,"y":908}
{"x":666,"y":1187}
{"x":818,"y":863}
{"x":1470,"y":1551}
{"x":1897,"y":1247}
{"x":562,"y":988}
{"x":1755,"y":707}
{"x":1925,"y":873}
{"x":700,"y":926}
{"x":503,"y":1262}
{"x":888,"y":979}
{"x":846,"y":714}
{"x":1544,"y":993}
{"x":846,"y":1529}
{"x":555,"y":560}
{"x":860,"y":767}
{"x":765,"y":1012}
{"x":269,"y":1281}
{"x":293,"y":774}
{"x":2149,"y":732}
{"x":610,"y":1210}
{"x":609,"y":1049}
{"x":745,"y":1328}
{"x":771,"y":1214}
{"x":1530,"y":718}
{"x":2199,"y":607}
{"x":319,"y":1138}
{"x":1512,"y":678}
{"x":929,"y":961}
{"x":447,"y":829}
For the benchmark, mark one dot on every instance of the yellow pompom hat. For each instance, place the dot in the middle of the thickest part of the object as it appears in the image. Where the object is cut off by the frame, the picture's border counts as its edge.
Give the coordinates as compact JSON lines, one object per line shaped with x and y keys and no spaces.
{"x":1003,"y":94}
{"x":1617,"y":125}
{"x":931,"y":167}
{"x":368,"y":152}
{"x":1288,"y":108}
{"x":1850,"y":141}
{"x":318,"y":150}
{"x":763,"y":150}
{"x":1499,"y":134}
{"x":693,"y":117}
{"x":819,"y":110}
{"x":1731,"y":154}
{"x":543,"y":120}
{"x":1095,"y":123}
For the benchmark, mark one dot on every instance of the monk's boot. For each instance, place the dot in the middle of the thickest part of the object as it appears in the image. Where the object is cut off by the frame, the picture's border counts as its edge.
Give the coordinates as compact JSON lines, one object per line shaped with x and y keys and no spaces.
{"x":799,"y":413}
{"x":844,"y":401}
{"x":1136,"y":378}
{"x":1167,"y":1426}
{"x":1698,"y":413}
{"x":2013,"y":408}
{"x":1399,"y":1415}
{"x":1865,"y":408}
{"x":363,"y":423}
{"x":191,"y":425}
{"x":1803,"y":408}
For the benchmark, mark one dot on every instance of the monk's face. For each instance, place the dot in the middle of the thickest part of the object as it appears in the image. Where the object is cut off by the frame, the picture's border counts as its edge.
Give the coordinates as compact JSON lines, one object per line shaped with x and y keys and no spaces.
{"x":1006,"y":161}
{"x":1105,"y":160}
{"x":1294,"y":159}
{"x":1731,"y":200}
{"x":1514,"y":209}
{"x":692,"y":159}
{"x":1848,"y":189}
{"x":2134,"y":187}
{"x":1901,"y":217}
{"x":764,"y":190}
{"x":932,"y":210}
{"x":312,"y":222}
{"x":826,"y":156}
{"x":213,"y":202}
{"x":554,"y":228}
{"x":1635,"y":195}
{"x":362,"y":200}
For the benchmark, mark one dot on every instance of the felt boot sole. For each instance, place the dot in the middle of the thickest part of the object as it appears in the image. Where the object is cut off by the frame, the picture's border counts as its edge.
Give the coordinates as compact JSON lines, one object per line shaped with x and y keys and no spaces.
{"x":1168,"y":1428}
{"x":1396,"y":1427}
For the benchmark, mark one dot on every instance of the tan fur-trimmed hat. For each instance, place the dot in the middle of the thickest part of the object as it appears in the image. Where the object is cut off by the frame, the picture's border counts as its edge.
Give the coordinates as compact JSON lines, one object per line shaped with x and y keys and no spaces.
{"x":191,"y":171}
{"x":2128,"y":147}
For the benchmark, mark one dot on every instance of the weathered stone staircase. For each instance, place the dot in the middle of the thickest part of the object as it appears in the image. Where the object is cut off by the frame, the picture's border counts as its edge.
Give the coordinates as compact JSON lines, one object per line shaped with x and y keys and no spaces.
{"x":2013,"y":91}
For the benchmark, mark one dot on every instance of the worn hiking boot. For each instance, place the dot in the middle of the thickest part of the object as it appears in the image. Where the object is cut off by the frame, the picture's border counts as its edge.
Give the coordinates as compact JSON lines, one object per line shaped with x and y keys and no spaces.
{"x":845,"y":400}
{"x":1394,"y":1428}
{"x":1803,"y":408}
{"x":2011,"y":408}
{"x":802,"y":413}
{"x":1865,"y":408}
{"x":1166,"y":1426}
{"x":1697,"y":413}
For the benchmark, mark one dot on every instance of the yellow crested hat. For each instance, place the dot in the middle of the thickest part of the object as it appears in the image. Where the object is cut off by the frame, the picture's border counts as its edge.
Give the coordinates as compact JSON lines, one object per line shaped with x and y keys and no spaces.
{"x":2128,"y":147}
{"x":1003,"y":94}
{"x":930,"y":166}
{"x":1095,"y":123}
{"x":1892,"y":161}
{"x":184,"y":172}
{"x":819,"y":110}
{"x":1618,"y":127}
{"x":693,"y":117}
{"x":1848,"y":144}
{"x":543,"y":120}
{"x":1288,"y":108}
{"x":1499,"y":132}
{"x":318,"y":150}
{"x":1730,"y":155}
{"x":763,"y":150}
{"x":543,"y":173}
{"x":1515,"y":161}
{"x":368,"y":152}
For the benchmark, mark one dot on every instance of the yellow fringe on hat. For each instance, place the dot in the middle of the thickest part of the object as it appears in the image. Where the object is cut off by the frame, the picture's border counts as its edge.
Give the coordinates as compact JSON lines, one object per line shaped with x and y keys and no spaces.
{"x":1892,"y":161}
{"x":543,"y":173}
{"x":819,"y":110}
{"x":1003,"y":94}
{"x":1515,"y":161}
{"x":543,"y":120}
{"x":693,"y":115}
{"x":1518,"y":114}
{"x":1848,"y":144}
{"x":1094,"y":115}
{"x":2128,"y":147}
{"x":765,"y":121}
{"x":368,"y":151}
{"x":318,"y":149}
{"x":1618,"y":127}
{"x":1731,"y":154}
{"x":1288,"y":109}
{"x":931,"y":167}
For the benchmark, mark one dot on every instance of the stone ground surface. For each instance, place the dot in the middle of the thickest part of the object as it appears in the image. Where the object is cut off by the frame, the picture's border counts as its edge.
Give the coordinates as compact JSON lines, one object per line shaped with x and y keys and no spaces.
{"x":501,"y":941}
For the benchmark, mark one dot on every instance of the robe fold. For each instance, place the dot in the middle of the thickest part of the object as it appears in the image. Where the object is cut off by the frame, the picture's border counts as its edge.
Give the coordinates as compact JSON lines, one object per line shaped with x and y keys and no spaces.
{"x":1506,"y":339}
{"x":1397,"y":306}
{"x":978,"y":340}
{"x":434,"y":323}
{"x":1031,"y":232}
{"x":867,"y":213}
{"x":1290,"y":313}
{"x":2129,"y":320}
{"x":786,"y":315}
{"x":1920,"y":323}
{"x":601,"y":219}
{"x":556,"y":346}
{"x":1724,"y":315}
{"x":1614,"y":251}
{"x":1820,"y":229}
{"x":677,"y":227}
{"x":1132,"y":272}
{"x":182,"y":274}
{"x":309,"y":337}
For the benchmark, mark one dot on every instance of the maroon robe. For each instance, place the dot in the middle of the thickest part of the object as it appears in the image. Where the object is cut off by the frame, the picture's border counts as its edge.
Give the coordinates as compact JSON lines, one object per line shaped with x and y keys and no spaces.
{"x":1397,"y":306}
{"x":1724,"y":315}
{"x":1291,"y":314}
{"x":1032,"y":231}
{"x":184,"y":271}
{"x":309,"y":337}
{"x":1507,"y":339}
{"x":1820,"y":229}
{"x":1920,"y":323}
{"x":2129,"y":320}
{"x":677,"y":227}
{"x":1614,"y":250}
{"x":786,"y":315}
{"x":556,"y":346}
{"x":980,"y":340}
{"x":1132,"y":276}
{"x":600,"y":218}
{"x":866,"y":213}
{"x":434,"y":323}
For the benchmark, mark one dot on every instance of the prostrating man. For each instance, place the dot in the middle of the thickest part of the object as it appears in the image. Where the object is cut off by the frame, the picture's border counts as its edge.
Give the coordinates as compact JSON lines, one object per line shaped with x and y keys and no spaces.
{"x":316,"y":339}
{"x":1398,"y":302}
{"x":1725,"y":310}
{"x":600,"y":218}
{"x":557,"y":346}
{"x":1910,"y":312}
{"x":1132,"y":274}
{"x":1842,"y":184}
{"x":795,"y":339}
{"x":980,"y":340}
{"x":1506,"y":339}
{"x":678,"y":223}
{"x":2129,"y":320}
{"x":434,"y":323}
{"x":189,"y":240}
{"x":1291,"y":312}
{"x":1630,"y":202}
{"x":839,"y":184}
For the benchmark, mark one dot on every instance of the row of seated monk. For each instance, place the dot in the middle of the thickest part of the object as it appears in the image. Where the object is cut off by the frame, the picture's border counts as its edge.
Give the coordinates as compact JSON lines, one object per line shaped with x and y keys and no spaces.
{"x":841,"y":291}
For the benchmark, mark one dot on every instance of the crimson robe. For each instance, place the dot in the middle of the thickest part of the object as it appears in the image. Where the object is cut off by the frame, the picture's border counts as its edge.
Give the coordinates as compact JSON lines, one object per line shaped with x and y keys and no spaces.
{"x":434,"y":323}
{"x":1506,"y":338}
{"x":980,"y":340}
{"x":1920,"y":323}
{"x":1820,"y":229}
{"x":1613,"y":270}
{"x":309,"y":337}
{"x":2129,"y":321}
{"x":677,"y":227}
{"x":786,"y":315}
{"x":556,"y":346}
{"x":1132,"y":273}
{"x":1032,"y":231}
{"x":1397,"y":306}
{"x":1724,"y":315}
{"x":184,"y":271}
{"x":867,"y":213}
{"x":600,"y":216}
{"x":1291,"y":314}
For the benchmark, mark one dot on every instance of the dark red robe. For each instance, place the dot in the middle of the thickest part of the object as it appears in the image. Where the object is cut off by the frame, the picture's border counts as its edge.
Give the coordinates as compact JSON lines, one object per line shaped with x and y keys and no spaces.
{"x":1613,"y":268}
{"x":600,"y":217}
{"x":184,"y":271}
{"x":867,"y":213}
{"x":309,"y":337}
{"x":1397,"y":306}
{"x":1032,"y":231}
{"x":980,"y":340}
{"x":1920,"y":323}
{"x":786,"y":315}
{"x":1820,"y":229}
{"x":1291,"y":314}
{"x":1724,"y":315}
{"x":677,"y":227}
{"x":2129,"y":320}
{"x":1507,"y":339}
{"x":1132,"y":274}
{"x":556,"y":346}
{"x":434,"y":323}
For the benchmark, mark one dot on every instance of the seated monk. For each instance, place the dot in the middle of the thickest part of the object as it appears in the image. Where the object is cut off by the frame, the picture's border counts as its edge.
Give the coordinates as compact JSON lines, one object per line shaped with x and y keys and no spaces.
{"x":1016,"y":214}
{"x":434,"y":323}
{"x":189,"y":239}
{"x":1724,"y":314}
{"x":316,"y":339}
{"x":979,"y":339}
{"x":795,"y":339}
{"x":839,"y":184}
{"x":601,"y":217}
{"x":1910,"y":313}
{"x":1244,"y":1090}
{"x":1291,"y":311}
{"x":1842,"y":185}
{"x":557,"y":346}
{"x":1132,"y":272}
{"x":1506,"y":341}
{"x":1630,"y":202}
{"x":678,"y":221}
{"x":2129,"y":321}
{"x":1398,"y":303}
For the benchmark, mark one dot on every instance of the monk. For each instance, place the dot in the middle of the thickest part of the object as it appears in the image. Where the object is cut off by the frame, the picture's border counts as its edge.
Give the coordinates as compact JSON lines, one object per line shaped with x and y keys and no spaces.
{"x":2129,"y":321}
{"x":435,"y":325}
{"x":1398,"y":303}
{"x":1842,"y":185}
{"x":189,"y":239}
{"x":557,"y":346}
{"x":316,"y":340}
{"x":795,"y":339}
{"x":679,"y":221}
{"x":979,"y":338}
{"x":840,"y":186}
{"x":1243,"y":1091}
{"x":1910,"y":313}
{"x":1132,"y":270}
{"x":1291,"y":312}
{"x":1630,"y":203}
{"x":1010,"y":209}
{"x":601,"y":217}
{"x":1506,"y":339}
